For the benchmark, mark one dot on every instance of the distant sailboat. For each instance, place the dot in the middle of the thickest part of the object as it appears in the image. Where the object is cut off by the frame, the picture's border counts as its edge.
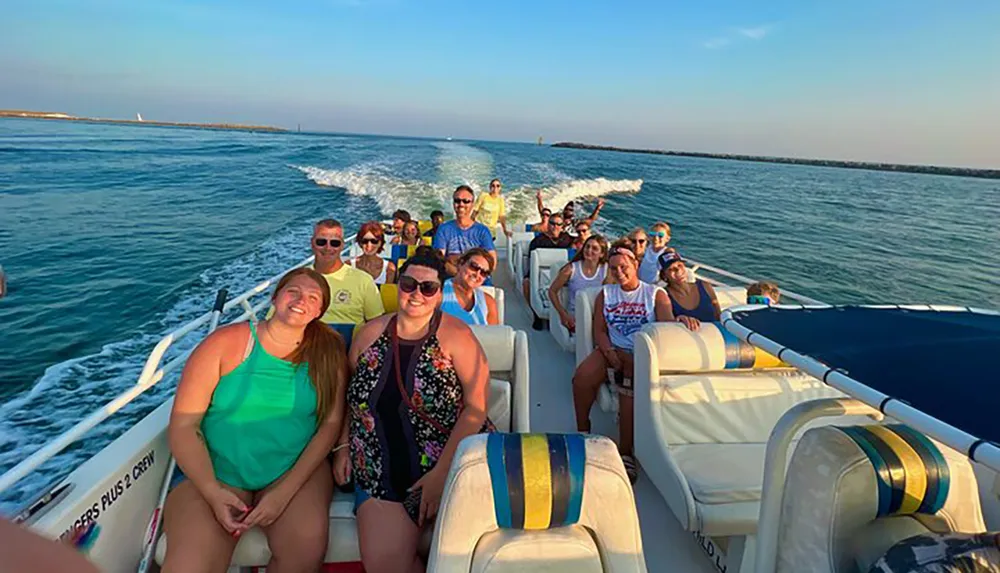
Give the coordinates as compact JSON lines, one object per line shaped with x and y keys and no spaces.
{"x":138,"y":116}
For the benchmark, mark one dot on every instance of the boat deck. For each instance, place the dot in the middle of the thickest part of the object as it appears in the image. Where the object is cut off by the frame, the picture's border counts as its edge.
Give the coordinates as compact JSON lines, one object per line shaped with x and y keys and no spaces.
{"x":666,"y":545}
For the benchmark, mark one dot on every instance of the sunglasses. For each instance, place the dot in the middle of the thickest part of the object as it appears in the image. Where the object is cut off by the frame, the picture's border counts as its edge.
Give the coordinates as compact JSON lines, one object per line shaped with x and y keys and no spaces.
{"x":545,"y":215}
{"x":758,"y":299}
{"x":494,"y":186}
{"x":321,"y":242}
{"x":660,"y":234}
{"x":555,"y":223}
{"x":367,"y":241}
{"x":640,"y":241}
{"x":462,"y":201}
{"x":485,"y":273}
{"x":582,"y":229}
{"x":409,"y":285}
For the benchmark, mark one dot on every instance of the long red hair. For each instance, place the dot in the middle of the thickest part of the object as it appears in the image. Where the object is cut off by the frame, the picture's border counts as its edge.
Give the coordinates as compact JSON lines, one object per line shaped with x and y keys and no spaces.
{"x":322,"y":348}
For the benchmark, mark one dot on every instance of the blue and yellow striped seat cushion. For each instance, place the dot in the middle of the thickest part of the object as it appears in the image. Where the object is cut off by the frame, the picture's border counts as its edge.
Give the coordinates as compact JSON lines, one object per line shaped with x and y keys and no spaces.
{"x":740,"y":354}
{"x":537,"y":479}
{"x":911,"y":473}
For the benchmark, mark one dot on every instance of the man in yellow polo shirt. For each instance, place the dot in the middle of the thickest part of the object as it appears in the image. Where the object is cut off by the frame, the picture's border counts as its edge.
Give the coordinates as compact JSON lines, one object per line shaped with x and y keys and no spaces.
{"x":354,"y":298}
{"x":490,"y":208}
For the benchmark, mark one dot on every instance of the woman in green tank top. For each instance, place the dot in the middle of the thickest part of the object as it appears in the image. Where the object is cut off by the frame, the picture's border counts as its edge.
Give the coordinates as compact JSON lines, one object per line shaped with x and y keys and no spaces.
{"x":257,"y":410}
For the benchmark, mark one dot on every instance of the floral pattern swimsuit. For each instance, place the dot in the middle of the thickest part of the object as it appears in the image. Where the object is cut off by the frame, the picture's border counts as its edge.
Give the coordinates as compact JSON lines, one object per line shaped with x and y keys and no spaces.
{"x":394,"y":445}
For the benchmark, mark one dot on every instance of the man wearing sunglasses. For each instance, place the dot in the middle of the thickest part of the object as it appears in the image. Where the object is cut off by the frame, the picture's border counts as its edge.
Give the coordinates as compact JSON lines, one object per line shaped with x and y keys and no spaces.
{"x":552,"y":238}
{"x":463,"y":233}
{"x":354,"y":298}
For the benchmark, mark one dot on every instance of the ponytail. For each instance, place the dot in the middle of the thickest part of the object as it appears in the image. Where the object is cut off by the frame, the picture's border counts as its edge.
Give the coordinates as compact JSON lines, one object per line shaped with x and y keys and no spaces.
{"x":322,"y":349}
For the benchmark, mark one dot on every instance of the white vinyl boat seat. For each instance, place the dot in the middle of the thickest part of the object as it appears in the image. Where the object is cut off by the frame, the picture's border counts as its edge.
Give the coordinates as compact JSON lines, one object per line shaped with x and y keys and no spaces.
{"x":705,"y":405}
{"x":563,"y":337}
{"x":507,"y":354}
{"x":534,"y":502}
{"x":545,"y":263}
{"x":853,"y":492}
{"x":729,"y":296}
{"x":517,"y":262}
{"x":584,"y":314}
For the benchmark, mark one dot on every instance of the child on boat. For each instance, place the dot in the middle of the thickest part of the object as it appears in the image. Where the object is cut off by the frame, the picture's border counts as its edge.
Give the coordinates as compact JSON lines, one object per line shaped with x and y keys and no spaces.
{"x":763,"y":292}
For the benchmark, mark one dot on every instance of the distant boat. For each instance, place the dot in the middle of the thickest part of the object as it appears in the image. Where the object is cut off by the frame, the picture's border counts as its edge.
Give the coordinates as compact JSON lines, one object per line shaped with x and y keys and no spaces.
{"x":447,"y":139}
{"x":138,"y":116}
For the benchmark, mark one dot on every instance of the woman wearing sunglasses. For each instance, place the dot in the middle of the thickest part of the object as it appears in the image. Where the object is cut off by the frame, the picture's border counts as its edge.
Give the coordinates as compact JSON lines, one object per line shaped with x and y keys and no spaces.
{"x":419,"y":387}
{"x":410,"y":235}
{"x":659,"y":236}
{"x":463,"y":296}
{"x":372,"y":240}
{"x":257,"y":410}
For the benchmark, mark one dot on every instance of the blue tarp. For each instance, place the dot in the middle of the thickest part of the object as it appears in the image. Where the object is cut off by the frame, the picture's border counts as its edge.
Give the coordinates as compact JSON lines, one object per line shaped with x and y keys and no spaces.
{"x":944,"y":363}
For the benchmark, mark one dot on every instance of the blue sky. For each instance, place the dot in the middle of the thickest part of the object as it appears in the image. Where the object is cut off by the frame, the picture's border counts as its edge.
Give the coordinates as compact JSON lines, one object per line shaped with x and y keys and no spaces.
{"x":911,"y":81}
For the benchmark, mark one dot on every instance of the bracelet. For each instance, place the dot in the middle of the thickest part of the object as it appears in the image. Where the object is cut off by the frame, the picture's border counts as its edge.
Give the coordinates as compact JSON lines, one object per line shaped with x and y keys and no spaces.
{"x":340,"y":447}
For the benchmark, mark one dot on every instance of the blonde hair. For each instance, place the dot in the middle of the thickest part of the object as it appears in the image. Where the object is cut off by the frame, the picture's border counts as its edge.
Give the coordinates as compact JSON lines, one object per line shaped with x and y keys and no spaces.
{"x":661,"y":225}
{"x":764,"y":288}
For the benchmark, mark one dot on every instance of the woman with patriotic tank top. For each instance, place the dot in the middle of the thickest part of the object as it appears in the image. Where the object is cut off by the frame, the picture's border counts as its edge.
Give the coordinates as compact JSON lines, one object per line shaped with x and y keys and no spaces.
{"x":619,"y":312}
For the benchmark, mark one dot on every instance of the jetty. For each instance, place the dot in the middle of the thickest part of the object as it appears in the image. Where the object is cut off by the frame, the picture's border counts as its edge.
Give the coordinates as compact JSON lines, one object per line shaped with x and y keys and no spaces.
{"x":59,"y":116}
{"x":906,"y":168}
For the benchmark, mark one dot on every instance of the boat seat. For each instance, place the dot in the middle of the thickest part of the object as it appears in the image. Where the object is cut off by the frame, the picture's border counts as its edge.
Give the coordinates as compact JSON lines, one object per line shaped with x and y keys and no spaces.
{"x":563,"y":337}
{"x":498,"y":296}
{"x":584,"y":314}
{"x":537,"y":502}
{"x":424,"y":225}
{"x":507,"y":354}
{"x":706,"y":403}
{"x":838,"y":515}
{"x":545,"y":263}
{"x":729,"y":296}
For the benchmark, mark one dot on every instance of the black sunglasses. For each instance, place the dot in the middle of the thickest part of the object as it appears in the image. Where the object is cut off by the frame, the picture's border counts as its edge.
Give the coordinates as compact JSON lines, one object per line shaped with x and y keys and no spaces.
{"x":367,"y":241}
{"x":462,"y":201}
{"x":409,"y":285}
{"x":321,"y":242}
{"x":485,"y":273}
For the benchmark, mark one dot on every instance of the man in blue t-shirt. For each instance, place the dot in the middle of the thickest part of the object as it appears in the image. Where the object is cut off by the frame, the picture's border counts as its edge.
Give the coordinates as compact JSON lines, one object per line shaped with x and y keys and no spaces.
{"x":455,"y":237}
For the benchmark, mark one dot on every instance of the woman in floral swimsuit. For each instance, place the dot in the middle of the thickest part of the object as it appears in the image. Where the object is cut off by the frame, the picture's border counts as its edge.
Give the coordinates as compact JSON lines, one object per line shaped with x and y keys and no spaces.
{"x":419,"y":387}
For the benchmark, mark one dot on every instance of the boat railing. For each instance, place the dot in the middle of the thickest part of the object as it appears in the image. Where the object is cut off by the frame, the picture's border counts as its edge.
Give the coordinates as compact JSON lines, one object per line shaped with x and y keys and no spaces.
{"x":151,"y":374}
{"x":699,"y":270}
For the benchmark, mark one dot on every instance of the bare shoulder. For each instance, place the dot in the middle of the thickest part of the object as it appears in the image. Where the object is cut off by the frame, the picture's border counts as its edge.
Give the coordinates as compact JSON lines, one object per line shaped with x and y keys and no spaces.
{"x":708,"y":287}
{"x":226,"y":338}
{"x":455,"y":336}
{"x":371,"y":330}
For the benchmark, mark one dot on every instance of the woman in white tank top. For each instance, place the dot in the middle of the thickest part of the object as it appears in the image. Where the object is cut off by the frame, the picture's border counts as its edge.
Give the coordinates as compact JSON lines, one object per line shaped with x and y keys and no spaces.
{"x":619,"y":312}
{"x":588,"y":269}
{"x":372,"y":241}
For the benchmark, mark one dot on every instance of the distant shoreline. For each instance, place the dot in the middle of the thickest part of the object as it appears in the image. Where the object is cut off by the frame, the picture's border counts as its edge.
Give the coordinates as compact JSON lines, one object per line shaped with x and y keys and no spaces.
{"x":16,"y":113}
{"x":926,"y":169}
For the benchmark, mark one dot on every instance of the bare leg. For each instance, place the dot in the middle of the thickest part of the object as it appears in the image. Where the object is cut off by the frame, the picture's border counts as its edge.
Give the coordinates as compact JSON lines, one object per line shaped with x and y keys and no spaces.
{"x":195,"y":540}
{"x":626,"y":406}
{"x":298,"y":537}
{"x":587,"y":380}
{"x":388,"y":538}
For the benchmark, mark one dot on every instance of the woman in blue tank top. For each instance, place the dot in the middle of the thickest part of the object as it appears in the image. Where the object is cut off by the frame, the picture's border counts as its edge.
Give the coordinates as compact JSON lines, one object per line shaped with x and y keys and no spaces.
{"x":696,"y":300}
{"x":462,"y":296}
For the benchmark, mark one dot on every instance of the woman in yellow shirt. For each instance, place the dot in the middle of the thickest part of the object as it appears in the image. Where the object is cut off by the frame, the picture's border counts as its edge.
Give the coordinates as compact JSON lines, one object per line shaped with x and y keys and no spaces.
{"x":490,"y":208}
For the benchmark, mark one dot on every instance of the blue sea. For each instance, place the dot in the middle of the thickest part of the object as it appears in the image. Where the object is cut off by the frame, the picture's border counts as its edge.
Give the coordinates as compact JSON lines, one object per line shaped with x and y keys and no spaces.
{"x":112,"y":235}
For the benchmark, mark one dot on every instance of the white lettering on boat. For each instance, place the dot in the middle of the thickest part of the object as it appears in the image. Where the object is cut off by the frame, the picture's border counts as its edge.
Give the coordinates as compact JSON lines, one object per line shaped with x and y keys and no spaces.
{"x":716,"y":555}
{"x":114,"y":493}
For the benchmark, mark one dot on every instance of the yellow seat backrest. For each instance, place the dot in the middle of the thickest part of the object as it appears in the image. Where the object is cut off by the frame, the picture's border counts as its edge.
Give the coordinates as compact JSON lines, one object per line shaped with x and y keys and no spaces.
{"x":424,"y":226}
{"x":390,"y":297}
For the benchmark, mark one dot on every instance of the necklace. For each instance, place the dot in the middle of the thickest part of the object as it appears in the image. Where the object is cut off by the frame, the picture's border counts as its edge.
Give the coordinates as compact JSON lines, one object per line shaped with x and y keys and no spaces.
{"x":267,"y":330}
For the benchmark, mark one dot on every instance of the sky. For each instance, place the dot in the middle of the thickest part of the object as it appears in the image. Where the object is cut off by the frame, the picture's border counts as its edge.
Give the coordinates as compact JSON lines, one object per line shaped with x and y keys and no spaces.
{"x":908,"y":81}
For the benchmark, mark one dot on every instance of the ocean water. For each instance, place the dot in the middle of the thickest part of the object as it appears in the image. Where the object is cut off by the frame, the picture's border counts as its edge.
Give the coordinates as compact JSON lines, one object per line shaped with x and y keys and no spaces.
{"x":112,"y":235}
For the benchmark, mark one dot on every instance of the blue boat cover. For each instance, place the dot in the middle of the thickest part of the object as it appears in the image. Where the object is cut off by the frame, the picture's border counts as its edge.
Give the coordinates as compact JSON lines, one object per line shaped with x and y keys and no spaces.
{"x":943,"y":363}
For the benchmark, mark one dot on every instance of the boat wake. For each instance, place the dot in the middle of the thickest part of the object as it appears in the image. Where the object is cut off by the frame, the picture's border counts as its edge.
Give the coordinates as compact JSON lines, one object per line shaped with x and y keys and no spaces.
{"x":457,"y":164}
